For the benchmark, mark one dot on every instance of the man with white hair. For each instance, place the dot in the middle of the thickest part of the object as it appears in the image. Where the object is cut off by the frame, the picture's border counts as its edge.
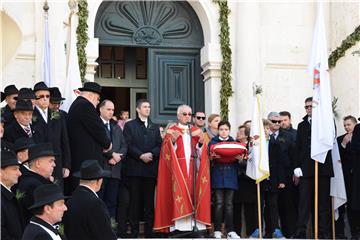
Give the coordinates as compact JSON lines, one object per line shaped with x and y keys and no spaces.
{"x":181,"y":146}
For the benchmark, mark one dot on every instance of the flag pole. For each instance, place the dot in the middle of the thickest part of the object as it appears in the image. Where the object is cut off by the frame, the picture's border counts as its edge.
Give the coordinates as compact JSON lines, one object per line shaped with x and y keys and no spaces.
{"x":316,"y":213}
{"x":333,"y":218}
{"x":259,"y":210}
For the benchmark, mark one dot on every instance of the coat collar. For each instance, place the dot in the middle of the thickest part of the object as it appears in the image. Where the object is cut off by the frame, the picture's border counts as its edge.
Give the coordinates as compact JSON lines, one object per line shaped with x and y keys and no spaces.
{"x":45,"y":224}
{"x":6,"y":193}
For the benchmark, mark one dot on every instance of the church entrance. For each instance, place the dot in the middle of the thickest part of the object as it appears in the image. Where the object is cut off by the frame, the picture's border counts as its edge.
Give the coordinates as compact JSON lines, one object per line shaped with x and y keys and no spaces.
{"x":150,"y":49}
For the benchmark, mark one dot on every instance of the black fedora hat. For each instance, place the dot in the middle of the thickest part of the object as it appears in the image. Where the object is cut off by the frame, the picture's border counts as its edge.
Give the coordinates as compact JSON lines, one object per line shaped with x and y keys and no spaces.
{"x":46,"y":194}
{"x":40,"y":86}
{"x":23,"y":143}
{"x":40,"y":150}
{"x":26,"y":94}
{"x":23,"y":105}
{"x":55,"y":95}
{"x":91,"y":169}
{"x":8,"y":158}
{"x":91,"y":87}
{"x":10,"y":90}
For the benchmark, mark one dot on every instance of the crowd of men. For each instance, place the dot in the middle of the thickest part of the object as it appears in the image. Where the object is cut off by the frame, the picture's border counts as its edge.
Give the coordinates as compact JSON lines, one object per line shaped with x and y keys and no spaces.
{"x":114,"y":171}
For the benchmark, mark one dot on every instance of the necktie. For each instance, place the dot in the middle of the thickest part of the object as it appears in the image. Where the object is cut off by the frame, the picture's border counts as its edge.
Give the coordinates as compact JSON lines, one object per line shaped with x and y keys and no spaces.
{"x":45,"y":116}
{"x":107,"y":128}
{"x":28,"y":131}
{"x":272,"y":137}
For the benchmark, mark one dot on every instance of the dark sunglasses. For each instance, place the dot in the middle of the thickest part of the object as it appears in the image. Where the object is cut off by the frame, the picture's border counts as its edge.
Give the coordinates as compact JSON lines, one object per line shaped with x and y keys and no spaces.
{"x":43,"y":96}
{"x":275,"y":121}
{"x":200,"y":118}
{"x":188,"y":114}
{"x":308,"y":106}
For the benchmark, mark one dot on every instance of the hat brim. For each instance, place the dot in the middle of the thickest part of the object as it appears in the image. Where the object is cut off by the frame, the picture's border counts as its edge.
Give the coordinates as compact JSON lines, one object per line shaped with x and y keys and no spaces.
{"x":90,"y":90}
{"x":14,"y":163}
{"x":17,"y":149}
{"x":22,"y":109}
{"x":2,"y":96}
{"x":102,"y":174}
{"x":41,"y":154}
{"x":53,"y":199}
{"x":56,"y":99}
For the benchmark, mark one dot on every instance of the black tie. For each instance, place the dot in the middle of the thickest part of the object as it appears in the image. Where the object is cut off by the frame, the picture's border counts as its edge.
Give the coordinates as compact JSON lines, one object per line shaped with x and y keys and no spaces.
{"x":107,"y":128}
{"x":272,"y":137}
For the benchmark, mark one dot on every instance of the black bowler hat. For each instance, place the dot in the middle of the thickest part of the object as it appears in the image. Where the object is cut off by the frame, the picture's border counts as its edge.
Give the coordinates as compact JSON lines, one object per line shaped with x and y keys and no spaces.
{"x":23,"y":105}
{"x":55,"y":95}
{"x":46,"y":194}
{"x":26,"y":94}
{"x":40,"y":150}
{"x":91,"y":169}
{"x":10,"y":90}
{"x":8,"y":158}
{"x":40,"y":86}
{"x":23,"y":143}
{"x":91,"y":87}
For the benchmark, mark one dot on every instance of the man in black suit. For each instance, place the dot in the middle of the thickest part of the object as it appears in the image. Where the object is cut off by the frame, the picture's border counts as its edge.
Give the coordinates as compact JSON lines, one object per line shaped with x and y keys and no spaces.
{"x":55,"y":129}
{"x":87,"y":216}
{"x":41,"y":163}
{"x":305,"y":172}
{"x":112,"y":159}
{"x":347,"y":160}
{"x":56,"y":101}
{"x":12,"y":222}
{"x":48,"y":209}
{"x":287,"y":195}
{"x":10,"y":94}
{"x":144,"y":142}
{"x":87,"y":135}
{"x":23,"y":127}
{"x":286,"y":124}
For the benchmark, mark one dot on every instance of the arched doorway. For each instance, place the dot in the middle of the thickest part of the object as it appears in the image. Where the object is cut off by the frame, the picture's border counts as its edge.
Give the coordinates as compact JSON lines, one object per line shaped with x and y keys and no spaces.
{"x":150,"y":49}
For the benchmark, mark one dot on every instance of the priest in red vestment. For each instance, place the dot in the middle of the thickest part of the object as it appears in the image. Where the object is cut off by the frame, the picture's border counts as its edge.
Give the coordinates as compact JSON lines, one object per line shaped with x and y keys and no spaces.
{"x":174,"y":209}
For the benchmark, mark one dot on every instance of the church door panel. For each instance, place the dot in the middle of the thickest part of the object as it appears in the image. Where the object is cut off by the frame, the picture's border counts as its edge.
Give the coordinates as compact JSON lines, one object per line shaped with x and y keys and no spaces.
{"x":175,"y":79}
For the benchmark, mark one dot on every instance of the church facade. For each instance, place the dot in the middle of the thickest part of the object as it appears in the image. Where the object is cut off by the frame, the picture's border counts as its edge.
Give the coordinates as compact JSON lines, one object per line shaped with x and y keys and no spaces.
{"x":170,"y":52}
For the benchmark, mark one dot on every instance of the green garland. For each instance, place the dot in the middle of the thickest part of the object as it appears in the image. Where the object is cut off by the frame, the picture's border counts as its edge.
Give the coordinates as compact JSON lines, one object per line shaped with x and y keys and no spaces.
{"x":226,"y":88}
{"x":347,"y":43}
{"x":82,"y":37}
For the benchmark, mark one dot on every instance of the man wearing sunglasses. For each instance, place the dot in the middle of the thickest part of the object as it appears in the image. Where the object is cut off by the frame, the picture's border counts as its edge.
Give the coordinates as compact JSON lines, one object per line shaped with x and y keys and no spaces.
{"x":304,"y":172}
{"x":55,"y":130}
{"x":199,"y":120}
{"x":287,"y":194}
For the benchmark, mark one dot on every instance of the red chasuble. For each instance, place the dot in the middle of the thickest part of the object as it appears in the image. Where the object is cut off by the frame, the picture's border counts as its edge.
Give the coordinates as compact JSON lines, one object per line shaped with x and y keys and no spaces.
{"x":174,"y":185}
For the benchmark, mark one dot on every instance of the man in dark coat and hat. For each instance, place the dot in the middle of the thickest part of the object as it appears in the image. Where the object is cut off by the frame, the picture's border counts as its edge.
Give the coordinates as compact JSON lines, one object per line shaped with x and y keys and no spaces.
{"x":87,"y":216}
{"x":48,"y":209}
{"x":12,"y":222}
{"x":56,"y":101}
{"x":41,"y":163}
{"x":87,"y":136}
{"x":10,"y":93}
{"x":23,"y":126}
{"x":55,"y":130}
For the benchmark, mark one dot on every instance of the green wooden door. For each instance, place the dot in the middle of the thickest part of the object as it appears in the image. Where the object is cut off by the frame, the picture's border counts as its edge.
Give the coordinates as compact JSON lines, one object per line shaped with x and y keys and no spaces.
{"x":176,"y":79}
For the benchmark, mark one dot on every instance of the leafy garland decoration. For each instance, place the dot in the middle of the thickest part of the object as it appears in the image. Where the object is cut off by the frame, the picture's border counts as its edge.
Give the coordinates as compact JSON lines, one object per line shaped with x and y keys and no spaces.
{"x":82,"y":37}
{"x":346,"y":44}
{"x":226,"y":88}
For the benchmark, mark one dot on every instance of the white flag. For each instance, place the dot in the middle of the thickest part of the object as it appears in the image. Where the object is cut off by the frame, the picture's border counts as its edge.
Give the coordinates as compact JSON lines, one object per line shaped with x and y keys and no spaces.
{"x":322,"y":128}
{"x":46,"y":64}
{"x":258,"y":164}
{"x":337,"y":183}
{"x":73,"y":80}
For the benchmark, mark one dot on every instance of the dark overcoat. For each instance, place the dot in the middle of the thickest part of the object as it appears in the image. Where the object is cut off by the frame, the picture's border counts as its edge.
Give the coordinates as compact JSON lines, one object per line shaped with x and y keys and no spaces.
{"x":87,"y":217}
{"x":56,"y":133}
{"x":141,"y":139}
{"x":355,"y":150}
{"x":14,"y":131}
{"x":87,"y":135}
{"x":12,"y":221}
{"x":36,"y":232}
{"x":28,"y":182}
{"x":303,"y":151}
